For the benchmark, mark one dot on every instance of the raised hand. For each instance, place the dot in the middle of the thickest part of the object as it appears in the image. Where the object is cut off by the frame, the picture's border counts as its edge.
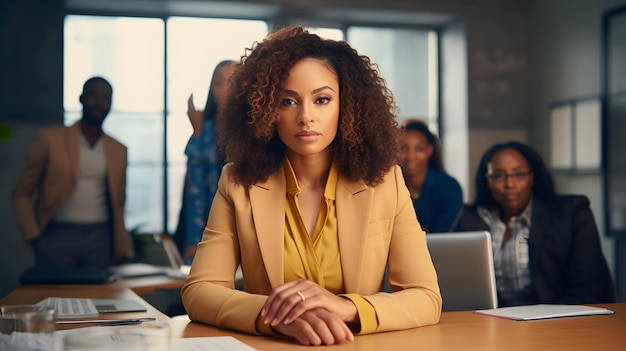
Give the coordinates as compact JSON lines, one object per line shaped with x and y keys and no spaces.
{"x":195,"y":117}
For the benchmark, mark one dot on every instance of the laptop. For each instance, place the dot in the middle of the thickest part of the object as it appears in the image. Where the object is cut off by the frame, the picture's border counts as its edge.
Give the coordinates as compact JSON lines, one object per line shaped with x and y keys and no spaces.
{"x":139,"y":269}
{"x":51,"y":275}
{"x":81,"y":307}
{"x":464,"y":265}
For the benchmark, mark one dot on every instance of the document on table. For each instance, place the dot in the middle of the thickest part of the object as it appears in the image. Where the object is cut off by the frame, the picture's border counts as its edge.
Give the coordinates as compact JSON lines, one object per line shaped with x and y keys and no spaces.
{"x":211,"y":343}
{"x":544,"y":311}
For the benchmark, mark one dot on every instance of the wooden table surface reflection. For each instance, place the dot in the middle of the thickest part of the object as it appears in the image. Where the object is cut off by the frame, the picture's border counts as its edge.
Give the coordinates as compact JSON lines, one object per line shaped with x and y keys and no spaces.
{"x":464,"y":331}
{"x":456,"y":330}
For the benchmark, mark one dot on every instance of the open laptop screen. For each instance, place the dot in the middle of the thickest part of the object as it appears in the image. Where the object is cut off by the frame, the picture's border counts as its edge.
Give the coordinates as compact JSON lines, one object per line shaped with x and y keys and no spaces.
{"x":464,"y":265}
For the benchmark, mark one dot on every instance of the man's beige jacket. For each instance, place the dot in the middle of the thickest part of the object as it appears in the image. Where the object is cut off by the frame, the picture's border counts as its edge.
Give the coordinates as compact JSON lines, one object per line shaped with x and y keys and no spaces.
{"x":50,"y":174}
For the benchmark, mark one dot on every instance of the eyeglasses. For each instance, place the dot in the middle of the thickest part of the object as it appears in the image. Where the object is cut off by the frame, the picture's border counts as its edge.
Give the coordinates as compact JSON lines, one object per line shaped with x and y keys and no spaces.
{"x":501,"y":177}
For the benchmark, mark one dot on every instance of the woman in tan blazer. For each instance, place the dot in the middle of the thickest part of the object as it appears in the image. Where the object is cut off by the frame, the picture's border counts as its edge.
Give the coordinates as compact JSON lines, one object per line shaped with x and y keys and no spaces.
{"x":312,"y":204}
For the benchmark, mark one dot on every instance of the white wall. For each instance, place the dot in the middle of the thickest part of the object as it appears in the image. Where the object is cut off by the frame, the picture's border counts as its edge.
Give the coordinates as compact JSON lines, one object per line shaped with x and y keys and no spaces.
{"x":566,"y":63}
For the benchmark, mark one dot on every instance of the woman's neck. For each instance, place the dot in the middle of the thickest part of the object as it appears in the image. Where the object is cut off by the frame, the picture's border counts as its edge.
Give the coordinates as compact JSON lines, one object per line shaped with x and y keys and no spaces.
{"x":415,"y":183}
{"x":311,"y":171}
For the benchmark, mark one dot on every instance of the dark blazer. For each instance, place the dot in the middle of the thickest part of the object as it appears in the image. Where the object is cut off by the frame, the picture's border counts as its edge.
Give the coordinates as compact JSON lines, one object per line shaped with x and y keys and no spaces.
{"x":566,"y":261}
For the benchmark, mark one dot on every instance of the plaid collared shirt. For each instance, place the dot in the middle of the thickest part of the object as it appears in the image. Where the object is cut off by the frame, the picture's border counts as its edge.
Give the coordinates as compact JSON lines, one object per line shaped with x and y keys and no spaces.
{"x":511,"y":259}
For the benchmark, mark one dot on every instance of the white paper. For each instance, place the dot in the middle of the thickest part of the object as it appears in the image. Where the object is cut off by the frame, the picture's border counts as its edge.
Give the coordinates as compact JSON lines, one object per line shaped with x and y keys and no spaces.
{"x":544,"y":311}
{"x":25,"y":341}
{"x":212,"y":343}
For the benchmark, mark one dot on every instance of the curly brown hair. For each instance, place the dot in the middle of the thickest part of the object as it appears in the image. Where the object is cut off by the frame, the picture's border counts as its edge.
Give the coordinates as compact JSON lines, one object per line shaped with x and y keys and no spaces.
{"x":368,"y":139}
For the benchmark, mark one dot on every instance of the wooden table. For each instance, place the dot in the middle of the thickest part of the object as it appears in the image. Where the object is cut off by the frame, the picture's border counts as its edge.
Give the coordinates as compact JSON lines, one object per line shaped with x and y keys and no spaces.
{"x":456,"y":330}
{"x":464,"y":331}
{"x":149,"y":285}
{"x":142,"y":286}
{"x":30,"y":294}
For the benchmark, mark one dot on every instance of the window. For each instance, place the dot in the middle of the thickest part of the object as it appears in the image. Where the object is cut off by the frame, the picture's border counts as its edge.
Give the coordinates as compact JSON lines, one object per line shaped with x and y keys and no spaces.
{"x":407,"y":59}
{"x":575,"y":135}
{"x":154,"y":64}
{"x":130,"y":53}
{"x":195,"y":46}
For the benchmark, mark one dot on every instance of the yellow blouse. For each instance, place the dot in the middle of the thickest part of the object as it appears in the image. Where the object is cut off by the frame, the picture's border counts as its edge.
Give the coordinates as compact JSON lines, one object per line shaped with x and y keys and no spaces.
{"x":317,"y":257}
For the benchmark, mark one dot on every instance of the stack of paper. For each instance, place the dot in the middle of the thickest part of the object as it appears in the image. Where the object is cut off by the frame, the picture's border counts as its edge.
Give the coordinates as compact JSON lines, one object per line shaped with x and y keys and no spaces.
{"x":212,"y":343}
{"x":543,"y":311}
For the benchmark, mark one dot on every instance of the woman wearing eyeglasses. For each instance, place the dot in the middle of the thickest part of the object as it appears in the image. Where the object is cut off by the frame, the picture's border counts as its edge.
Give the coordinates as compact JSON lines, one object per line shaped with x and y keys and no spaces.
{"x":546,"y":247}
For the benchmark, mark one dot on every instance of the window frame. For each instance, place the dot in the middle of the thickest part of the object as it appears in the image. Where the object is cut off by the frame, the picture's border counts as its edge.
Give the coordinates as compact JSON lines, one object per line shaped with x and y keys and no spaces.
{"x":272,"y":22}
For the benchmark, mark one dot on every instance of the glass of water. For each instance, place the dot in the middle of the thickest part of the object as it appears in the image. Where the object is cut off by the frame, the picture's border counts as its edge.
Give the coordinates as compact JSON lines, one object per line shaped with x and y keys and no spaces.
{"x":27,"y":328}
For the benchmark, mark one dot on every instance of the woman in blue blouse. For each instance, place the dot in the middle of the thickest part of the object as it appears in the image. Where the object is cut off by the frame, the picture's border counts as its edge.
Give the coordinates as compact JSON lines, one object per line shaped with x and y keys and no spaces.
{"x":437,"y":197}
{"x":204,"y":162}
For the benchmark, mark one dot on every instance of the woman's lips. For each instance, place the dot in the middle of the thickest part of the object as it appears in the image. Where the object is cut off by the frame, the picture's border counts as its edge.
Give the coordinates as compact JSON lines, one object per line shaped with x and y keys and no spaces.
{"x":308,"y":135}
{"x":510,"y":197}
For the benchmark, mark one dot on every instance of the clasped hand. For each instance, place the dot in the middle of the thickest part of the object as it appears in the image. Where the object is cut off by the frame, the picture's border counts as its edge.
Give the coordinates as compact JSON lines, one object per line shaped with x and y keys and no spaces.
{"x":309,"y":313}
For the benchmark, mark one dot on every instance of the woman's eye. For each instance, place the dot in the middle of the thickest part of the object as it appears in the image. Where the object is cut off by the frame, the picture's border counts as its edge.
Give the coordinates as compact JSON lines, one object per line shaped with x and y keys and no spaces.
{"x":323,"y":100}
{"x":289,"y":101}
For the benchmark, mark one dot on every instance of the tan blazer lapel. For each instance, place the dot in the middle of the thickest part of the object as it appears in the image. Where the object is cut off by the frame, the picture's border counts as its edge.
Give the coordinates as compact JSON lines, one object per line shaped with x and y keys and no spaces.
{"x":71,"y":143}
{"x":268,"y":212}
{"x":353,"y":205}
{"x":115,"y":163}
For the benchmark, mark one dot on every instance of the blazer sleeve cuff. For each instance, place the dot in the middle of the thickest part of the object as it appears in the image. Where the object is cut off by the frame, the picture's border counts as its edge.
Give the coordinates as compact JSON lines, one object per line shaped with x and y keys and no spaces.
{"x":368,"y":320}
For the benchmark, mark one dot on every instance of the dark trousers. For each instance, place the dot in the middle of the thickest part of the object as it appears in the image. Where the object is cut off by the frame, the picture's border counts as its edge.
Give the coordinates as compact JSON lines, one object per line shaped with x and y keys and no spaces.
{"x":69,"y":245}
